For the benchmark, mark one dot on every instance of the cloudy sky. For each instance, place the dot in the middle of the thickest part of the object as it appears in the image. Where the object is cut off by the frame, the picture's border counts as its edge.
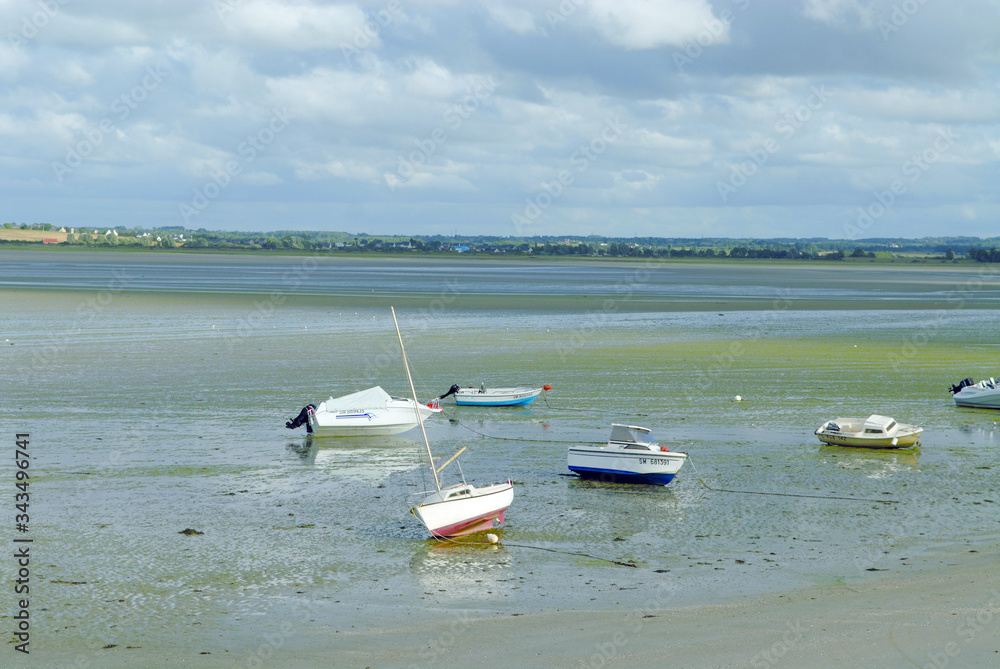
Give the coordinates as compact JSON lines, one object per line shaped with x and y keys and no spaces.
{"x":673,"y":118}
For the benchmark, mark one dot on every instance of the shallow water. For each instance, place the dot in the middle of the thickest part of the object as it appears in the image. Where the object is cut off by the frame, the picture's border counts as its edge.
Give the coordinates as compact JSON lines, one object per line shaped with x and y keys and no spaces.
{"x":152,"y":411}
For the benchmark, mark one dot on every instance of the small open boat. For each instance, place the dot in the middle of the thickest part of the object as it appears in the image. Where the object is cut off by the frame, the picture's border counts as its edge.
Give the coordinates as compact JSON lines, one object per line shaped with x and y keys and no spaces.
{"x":372,"y":412}
{"x":494,"y":397}
{"x":630,"y":456}
{"x":982,"y":395}
{"x":872,"y":432}
{"x":462,"y":508}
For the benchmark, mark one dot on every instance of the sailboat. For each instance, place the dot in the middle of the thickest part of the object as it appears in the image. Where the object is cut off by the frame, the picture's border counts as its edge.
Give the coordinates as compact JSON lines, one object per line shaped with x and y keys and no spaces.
{"x":462,"y":508}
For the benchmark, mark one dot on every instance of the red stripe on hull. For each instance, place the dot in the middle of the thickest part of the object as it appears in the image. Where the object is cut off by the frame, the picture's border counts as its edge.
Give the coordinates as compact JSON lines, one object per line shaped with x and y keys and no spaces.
{"x":478,"y":524}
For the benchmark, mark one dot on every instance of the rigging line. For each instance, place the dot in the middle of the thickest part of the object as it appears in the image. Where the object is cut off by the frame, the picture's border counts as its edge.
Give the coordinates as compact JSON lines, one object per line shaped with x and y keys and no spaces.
{"x":786,"y":494}
{"x":545,"y":441}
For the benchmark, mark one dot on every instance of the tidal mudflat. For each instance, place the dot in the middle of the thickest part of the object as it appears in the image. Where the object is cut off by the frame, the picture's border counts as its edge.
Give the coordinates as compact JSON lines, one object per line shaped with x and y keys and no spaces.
{"x":155,"y":389}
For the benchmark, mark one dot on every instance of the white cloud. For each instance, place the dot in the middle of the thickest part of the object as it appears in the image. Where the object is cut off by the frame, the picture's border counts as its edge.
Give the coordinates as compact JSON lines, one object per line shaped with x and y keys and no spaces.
{"x":11,"y":61}
{"x":839,"y":13}
{"x":648,"y":24}
{"x":73,"y":74}
{"x":352,"y":98}
{"x":342,"y":169}
{"x":515,"y":19}
{"x":921,"y":105}
{"x":298,"y":25}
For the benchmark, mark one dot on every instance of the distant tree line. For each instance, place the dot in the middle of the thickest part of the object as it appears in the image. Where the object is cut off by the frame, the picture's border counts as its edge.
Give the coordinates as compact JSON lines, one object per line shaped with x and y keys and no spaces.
{"x":982,"y":255}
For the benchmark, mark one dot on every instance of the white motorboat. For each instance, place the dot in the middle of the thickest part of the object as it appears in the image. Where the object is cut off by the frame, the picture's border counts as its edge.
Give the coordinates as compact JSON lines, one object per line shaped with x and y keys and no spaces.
{"x":495,"y":397}
{"x":872,"y":432}
{"x":982,"y":395}
{"x":372,"y":412}
{"x":462,"y":508}
{"x":630,"y":456}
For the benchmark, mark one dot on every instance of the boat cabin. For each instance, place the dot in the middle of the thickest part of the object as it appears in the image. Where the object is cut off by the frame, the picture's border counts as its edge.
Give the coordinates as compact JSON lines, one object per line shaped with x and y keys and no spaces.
{"x":876,"y":425}
{"x":632,"y":437}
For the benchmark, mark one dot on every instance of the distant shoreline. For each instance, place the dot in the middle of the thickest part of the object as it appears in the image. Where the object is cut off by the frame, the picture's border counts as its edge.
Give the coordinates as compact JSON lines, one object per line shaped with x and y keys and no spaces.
{"x":906,"y":259}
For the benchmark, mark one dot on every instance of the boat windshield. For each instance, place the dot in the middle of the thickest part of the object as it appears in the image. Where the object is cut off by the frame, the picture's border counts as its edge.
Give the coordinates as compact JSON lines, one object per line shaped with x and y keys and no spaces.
{"x":630,"y":434}
{"x":622,"y":433}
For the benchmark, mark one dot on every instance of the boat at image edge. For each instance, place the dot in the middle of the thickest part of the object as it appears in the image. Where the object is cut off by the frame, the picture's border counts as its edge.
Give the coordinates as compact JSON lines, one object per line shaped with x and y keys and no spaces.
{"x":873,"y":432}
{"x":982,"y":395}
{"x":495,"y":397}
{"x":372,"y":412}
{"x":459,"y":509}
{"x":630,"y":456}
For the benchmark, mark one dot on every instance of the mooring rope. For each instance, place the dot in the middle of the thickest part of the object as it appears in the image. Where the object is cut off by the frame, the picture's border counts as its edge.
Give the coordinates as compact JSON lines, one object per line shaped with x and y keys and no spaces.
{"x":546,"y":441}
{"x":537,"y":548}
{"x":546,"y":401}
{"x":785,"y":494}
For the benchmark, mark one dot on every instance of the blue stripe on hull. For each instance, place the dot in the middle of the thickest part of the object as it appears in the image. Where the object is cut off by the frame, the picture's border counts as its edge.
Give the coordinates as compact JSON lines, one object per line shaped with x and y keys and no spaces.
{"x":497,"y":403}
{"x":617,"y":476}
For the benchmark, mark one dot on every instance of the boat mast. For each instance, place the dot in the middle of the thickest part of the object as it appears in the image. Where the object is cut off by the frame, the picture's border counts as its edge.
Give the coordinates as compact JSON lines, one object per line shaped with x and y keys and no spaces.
{"x":416,"y":404}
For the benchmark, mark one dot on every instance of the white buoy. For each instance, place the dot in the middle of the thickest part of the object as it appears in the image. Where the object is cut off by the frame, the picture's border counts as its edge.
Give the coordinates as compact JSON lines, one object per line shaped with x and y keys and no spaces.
{"x":493,"y":538}
{"x":737,"y":399}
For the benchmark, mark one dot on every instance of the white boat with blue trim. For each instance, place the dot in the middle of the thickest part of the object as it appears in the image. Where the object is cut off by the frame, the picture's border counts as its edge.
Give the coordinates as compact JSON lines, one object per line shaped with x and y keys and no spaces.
{"x":495,"y":397}
{"x":630,"y":456}
{"x":372,"y":412}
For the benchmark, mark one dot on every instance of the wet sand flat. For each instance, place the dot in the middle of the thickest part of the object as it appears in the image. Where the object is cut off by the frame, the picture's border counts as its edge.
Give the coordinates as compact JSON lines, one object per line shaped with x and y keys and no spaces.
{"x":156,"y":410}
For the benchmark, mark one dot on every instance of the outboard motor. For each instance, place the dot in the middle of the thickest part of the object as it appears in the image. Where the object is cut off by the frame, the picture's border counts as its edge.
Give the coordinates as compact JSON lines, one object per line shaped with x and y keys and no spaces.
{"x":451,"y":391}
{"x":962,"y":384}
{"x":302,"y":419}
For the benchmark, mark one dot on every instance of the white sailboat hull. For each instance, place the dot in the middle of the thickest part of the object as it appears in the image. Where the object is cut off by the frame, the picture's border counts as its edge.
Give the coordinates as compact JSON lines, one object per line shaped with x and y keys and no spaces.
{"x":463,"y":509}
{"x":458,"y":509}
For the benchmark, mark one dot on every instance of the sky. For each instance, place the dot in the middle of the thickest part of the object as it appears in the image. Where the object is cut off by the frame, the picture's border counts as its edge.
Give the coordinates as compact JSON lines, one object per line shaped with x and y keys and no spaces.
{"x":845,"y":119}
